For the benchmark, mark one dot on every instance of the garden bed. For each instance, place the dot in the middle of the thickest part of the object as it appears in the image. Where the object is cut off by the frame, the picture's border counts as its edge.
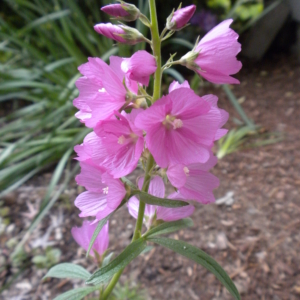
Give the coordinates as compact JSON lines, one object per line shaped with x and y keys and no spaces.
{"x":255,"y":237}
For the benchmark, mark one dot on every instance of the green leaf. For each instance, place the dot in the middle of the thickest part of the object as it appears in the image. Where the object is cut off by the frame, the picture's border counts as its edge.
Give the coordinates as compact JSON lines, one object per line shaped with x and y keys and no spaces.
{"x":107,"y":259}
{"x":77,"y":294}
{"x":130,"y":252}
{"x":169,"y":227}
{"x":149,"y":199}
{"x":68,"y":270}
{"x":201,"y":258}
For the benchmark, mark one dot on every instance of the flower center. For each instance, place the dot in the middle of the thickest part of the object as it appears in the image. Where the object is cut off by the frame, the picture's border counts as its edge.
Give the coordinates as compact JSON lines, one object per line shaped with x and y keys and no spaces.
{"x":171,"y":122}
{"x":105,"y":190}
{"x":132,"y":137}
{"x":121,"y":140}
{"x":186,"y":171}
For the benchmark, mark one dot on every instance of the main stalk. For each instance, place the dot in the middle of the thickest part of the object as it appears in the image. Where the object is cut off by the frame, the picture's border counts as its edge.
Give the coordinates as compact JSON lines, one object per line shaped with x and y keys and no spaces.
{"x":156,"y":46}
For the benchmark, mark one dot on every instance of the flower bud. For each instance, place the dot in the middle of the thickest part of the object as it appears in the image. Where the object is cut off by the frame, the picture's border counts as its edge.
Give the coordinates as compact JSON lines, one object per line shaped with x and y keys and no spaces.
{"x":120,"y":33}
{"x":180,"y":17}
{"x":214,"y":56}
{"x":124,"y":11}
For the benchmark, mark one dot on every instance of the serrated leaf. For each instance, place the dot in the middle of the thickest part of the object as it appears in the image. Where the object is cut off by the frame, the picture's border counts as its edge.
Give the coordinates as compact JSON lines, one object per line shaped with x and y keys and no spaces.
{"x":130,"y":252}
{"x":77,"y":294}
{"x":68,"y":270}
{"x":149,"y":199}
{"x":201,"y":258}
{"x":169,"y":227}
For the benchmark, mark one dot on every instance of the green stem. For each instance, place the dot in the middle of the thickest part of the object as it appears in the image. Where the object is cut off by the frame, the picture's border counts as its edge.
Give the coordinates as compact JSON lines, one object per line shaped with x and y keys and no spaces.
{"x":150,"y":162}
{"x":156,"y":50}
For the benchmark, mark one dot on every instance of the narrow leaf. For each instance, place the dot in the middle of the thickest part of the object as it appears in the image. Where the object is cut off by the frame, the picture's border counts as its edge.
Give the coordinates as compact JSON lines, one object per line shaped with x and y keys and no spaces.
{"x":149,"y":199}
{"x":77,"y":294}
{"x":130,"y":252}
{"x":68,"y":270}
{"x":169,"y":227}
{"x":201,"y":258}
{"x":107,"y":259}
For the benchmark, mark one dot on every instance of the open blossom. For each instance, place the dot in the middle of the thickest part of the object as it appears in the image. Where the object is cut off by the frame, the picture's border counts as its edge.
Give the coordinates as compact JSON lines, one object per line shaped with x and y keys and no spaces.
{"x":116,"y":144}
{"x":120,"y":33}
{"x":101,"y":90}
{"x":180,"y":17}
{"x":180,"y":127}
{"x":83,"y":235}
{"x":214,"y":57}
{"x":120,"y":144}
{"x":211,"y":99}
{"x":103,"y":195}
{"x":139,"y":66}
{"x":193,"y":181}
{"x":153,"y":212}
{"x":124,"y":11}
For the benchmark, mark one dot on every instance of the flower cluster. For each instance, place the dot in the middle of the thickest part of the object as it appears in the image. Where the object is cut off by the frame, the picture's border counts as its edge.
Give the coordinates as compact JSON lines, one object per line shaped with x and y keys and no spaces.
{"x":128,"y":126}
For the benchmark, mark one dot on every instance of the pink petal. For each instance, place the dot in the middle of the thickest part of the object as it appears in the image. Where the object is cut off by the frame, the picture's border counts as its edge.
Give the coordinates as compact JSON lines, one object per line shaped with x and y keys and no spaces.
{"x":90,"y":177}
{"x":173,"y":214}
{"x":115,"y":10}
{"x":116,"y":191}
{"x":115,"y":65}
{"x":183,"y":15}
{"x":176,"y":85}
{"x":90,"y":203}
{"x":133,"y":206}
{"x":111,"y":31}
{"x":139,"y":66}
{"x":82,"y":235}
{"x":176,"y":175}
{"x":199,"y":185}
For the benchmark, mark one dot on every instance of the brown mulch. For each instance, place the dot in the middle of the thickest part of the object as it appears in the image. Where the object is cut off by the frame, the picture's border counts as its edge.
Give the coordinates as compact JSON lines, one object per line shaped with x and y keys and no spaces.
{"x":256,"y":237}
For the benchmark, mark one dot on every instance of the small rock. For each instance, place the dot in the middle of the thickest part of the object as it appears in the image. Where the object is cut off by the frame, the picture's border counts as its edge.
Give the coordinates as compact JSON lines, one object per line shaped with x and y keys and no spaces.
{"x":24,"y":285}
{"x":221,"y":241}
{"x":189,"y":271}
{"x":227,"y":199}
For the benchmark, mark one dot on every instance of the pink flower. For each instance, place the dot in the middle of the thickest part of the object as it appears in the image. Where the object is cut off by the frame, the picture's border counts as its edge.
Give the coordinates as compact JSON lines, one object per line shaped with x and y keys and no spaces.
{"x":139,"y":66}
{"x":180,"y":127}
{"x":120,"y":33}
{"x":124,"y":11}
{"x":104,"y":193}
{"x":101,"y":90}
{"x":193,"y":181}
{"x":211,"y":99}
{"x":180,"y":17}
{"x":83,"y":235}
{"x":153,"y":212}
{"x":214,"y":57}
{"x":119,"y":144}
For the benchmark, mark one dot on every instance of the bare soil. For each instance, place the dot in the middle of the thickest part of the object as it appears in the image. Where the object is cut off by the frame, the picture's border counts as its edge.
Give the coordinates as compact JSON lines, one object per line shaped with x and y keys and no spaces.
{"x":256,"y":237}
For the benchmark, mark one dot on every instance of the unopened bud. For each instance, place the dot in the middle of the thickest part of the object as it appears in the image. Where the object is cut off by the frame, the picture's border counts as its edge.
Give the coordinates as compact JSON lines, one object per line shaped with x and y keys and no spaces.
{"x":180,"y":17}
{"x":123,"y":11}
{"x":120,"y":33}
